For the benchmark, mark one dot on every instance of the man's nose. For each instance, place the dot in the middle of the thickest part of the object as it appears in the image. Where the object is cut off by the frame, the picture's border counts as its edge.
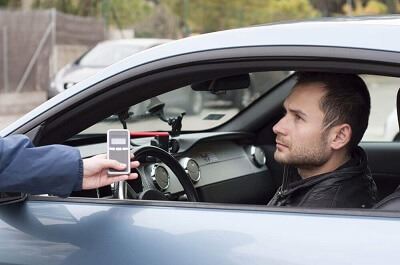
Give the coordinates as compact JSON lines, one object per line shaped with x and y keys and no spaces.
{"x":279,"y":127}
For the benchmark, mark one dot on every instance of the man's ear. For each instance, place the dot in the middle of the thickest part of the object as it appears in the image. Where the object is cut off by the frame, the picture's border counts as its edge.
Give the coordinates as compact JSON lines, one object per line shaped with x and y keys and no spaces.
{"x":340,"y":136}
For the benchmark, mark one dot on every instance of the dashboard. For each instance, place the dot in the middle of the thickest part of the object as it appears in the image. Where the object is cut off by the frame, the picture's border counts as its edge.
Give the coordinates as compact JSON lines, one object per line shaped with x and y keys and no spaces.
{"x":223,"y":167}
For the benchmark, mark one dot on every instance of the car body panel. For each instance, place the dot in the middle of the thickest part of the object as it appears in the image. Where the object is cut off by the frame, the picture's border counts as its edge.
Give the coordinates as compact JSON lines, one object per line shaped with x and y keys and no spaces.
{"x":87,"y":233}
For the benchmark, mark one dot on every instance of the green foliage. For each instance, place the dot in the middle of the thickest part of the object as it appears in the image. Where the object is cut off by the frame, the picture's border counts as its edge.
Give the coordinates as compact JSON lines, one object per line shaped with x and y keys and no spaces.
{"x":123,"y":13}
{"x":292,"y":9}
{"x":75,"y":7}
{"x":4,"y":3}
{"x":210,"y":15}
{"x":127,"y":12}
{"x":371,"y":7}
{"x":328,"y":7}
{"x":161,"y":23}
{"x":13,"y":4}
{"x":183,"y":17}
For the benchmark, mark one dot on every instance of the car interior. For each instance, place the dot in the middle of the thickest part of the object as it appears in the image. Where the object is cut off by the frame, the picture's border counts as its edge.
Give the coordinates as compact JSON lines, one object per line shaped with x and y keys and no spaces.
{"x":223,"y":154}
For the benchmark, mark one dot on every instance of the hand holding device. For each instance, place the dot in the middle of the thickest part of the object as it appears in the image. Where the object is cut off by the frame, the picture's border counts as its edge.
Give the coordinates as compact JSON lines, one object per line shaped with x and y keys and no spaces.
{"x":118,"y":148}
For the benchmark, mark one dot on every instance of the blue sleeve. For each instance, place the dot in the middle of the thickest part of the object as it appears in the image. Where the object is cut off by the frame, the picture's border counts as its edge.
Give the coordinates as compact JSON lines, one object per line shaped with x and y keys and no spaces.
{"x":52,"y":169}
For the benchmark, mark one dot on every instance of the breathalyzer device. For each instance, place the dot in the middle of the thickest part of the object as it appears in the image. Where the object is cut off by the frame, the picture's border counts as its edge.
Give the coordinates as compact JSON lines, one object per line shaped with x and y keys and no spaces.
{"x":118,"y":148}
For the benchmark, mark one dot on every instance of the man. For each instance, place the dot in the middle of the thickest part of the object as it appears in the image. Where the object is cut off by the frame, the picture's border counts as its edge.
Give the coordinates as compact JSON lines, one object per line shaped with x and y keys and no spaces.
{"x":53,"y":169}
{"x":317,"y":139}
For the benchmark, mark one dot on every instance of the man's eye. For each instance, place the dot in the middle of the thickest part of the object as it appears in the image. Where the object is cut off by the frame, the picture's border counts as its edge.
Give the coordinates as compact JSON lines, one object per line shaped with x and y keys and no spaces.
{"x":297,"y":117}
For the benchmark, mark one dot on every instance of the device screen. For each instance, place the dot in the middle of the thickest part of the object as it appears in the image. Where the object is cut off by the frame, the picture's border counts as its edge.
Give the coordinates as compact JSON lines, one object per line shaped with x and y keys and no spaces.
{"x":118,"y":149}
{"x":118,"y":141}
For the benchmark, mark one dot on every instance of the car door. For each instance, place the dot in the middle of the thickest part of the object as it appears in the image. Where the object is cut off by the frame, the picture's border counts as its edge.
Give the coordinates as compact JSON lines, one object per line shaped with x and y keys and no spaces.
{"x":50,"y":230}
{"x":379,"y":143}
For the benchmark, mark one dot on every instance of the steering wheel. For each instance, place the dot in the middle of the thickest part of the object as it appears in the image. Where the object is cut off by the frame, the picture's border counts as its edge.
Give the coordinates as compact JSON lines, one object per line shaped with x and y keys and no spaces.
{"x":149,"y":190}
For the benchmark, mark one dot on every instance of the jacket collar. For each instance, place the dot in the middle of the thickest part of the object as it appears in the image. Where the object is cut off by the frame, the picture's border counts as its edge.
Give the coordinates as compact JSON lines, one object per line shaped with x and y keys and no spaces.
{"x":356,"y":165}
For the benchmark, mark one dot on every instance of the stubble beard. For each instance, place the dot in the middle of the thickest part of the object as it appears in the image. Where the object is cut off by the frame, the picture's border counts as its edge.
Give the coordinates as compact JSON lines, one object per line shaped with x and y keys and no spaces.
{"x":306,"y":157}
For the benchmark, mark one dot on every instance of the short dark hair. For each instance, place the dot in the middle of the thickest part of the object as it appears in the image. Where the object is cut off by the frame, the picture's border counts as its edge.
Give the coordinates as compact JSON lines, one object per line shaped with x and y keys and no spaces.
{"x":346,"y":100}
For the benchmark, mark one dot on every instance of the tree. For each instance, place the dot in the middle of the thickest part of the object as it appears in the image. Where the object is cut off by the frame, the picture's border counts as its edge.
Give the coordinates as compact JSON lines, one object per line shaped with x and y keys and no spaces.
{"x":125,"y":13}
{"x":391,"y":5}
{"x":121,"y":13}
{"x":372,"y":7}
{"x":329,"y":8}
{"x":161,"y":23}
{"x":209,"y":15}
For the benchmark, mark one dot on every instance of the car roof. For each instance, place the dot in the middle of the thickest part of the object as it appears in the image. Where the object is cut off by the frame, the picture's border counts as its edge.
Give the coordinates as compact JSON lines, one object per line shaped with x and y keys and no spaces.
{"x":145,"y":42}
{"x":375,"y":33}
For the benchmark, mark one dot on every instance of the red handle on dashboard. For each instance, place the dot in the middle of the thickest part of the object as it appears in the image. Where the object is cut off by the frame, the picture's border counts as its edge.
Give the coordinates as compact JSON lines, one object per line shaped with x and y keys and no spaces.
{"x":148,"y":134}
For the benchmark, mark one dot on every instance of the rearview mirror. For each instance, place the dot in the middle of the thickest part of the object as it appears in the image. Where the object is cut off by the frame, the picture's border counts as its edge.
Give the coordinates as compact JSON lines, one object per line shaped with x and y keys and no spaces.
{"x":223,"y":84}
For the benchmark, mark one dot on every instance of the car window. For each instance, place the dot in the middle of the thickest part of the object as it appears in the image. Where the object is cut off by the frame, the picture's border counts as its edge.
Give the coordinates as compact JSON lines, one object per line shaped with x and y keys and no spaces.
{"x":383,"y":125}
{"x":203,"y":110}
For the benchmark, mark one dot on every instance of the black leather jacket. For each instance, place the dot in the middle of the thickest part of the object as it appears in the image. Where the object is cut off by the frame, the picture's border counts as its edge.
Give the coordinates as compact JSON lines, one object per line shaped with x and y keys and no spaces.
{"x":350,"y":186}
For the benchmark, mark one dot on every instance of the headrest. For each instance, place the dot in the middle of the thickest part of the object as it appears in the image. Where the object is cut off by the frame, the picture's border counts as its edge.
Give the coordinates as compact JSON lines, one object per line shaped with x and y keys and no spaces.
{"x":398,"y":107}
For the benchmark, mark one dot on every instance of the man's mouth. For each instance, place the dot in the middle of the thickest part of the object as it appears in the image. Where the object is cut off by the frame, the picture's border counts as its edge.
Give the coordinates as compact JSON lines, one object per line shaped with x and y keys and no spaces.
{"x":280,"y":144}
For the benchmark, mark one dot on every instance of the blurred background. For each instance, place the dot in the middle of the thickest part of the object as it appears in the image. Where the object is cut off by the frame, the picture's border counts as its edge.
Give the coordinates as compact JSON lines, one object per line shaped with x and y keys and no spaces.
{"x":47,"y":46}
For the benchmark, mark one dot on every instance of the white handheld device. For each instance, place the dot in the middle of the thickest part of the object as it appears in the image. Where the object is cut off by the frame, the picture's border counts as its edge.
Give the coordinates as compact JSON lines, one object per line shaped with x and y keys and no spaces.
{"x":118,"y":148}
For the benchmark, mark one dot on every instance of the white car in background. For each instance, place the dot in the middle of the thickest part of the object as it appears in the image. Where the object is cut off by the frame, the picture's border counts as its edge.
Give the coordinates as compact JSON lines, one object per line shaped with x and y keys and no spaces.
{"x":109,"y":52}
{"x":99,"y":57}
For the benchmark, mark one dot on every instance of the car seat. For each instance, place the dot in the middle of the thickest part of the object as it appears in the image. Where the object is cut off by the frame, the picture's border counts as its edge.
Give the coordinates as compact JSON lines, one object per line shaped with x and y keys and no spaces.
{"x":392,"y":201}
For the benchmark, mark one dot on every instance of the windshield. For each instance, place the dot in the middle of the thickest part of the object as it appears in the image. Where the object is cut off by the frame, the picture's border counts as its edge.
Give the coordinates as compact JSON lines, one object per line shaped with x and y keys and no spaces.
{"x":203,"y":110}
{"x":106,"y":54}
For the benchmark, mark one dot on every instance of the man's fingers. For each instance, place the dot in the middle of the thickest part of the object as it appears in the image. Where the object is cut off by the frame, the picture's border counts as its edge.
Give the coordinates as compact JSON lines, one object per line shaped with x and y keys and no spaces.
{"x":116,"y":165}
{"x":121,"y":178}
{"x":133,"y":176}
{"x":135,"y":164}
{"x":108,"y":163}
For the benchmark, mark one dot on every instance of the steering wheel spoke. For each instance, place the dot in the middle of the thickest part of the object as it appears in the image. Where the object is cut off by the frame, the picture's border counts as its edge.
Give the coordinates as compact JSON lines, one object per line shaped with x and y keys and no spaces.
{"x":149,"y":189}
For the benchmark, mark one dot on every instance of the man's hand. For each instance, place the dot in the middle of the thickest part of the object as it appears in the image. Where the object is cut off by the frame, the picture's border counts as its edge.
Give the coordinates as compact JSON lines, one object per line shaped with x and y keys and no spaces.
{"x":95,"y":172}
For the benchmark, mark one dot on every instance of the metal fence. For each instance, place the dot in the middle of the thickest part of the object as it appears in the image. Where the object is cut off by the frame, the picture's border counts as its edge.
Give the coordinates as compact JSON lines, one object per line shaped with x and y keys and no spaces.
{"x":29,"y":41}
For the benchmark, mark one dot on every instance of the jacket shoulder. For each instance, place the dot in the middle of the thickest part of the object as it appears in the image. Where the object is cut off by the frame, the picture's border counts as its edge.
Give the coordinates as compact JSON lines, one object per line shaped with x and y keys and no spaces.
{"x":358,"y":191}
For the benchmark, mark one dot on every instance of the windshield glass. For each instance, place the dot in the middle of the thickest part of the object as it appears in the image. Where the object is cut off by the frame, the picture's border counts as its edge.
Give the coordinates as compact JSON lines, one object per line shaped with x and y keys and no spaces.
{"x":203,"y":110}
{"x":106,"y":54}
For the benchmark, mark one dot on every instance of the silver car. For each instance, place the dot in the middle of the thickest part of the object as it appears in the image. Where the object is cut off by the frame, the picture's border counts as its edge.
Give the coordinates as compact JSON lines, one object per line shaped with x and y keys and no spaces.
{"x":97,"y":58}
{"x":202,"y":193}
{"x":111,"y":51}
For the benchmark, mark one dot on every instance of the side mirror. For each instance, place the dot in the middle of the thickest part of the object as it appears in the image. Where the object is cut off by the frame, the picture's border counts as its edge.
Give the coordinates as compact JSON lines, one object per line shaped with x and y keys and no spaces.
{"x":11,"y":197}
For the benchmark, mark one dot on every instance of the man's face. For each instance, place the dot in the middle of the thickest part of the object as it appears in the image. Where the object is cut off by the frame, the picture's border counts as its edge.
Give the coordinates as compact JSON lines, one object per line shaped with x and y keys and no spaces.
{"x":300,"y":137}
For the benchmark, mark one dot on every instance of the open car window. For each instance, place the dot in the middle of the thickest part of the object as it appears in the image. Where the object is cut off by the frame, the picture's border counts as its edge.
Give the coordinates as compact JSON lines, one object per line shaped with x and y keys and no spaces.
{"x":228,"y":160}
{"x":383,"y":125}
